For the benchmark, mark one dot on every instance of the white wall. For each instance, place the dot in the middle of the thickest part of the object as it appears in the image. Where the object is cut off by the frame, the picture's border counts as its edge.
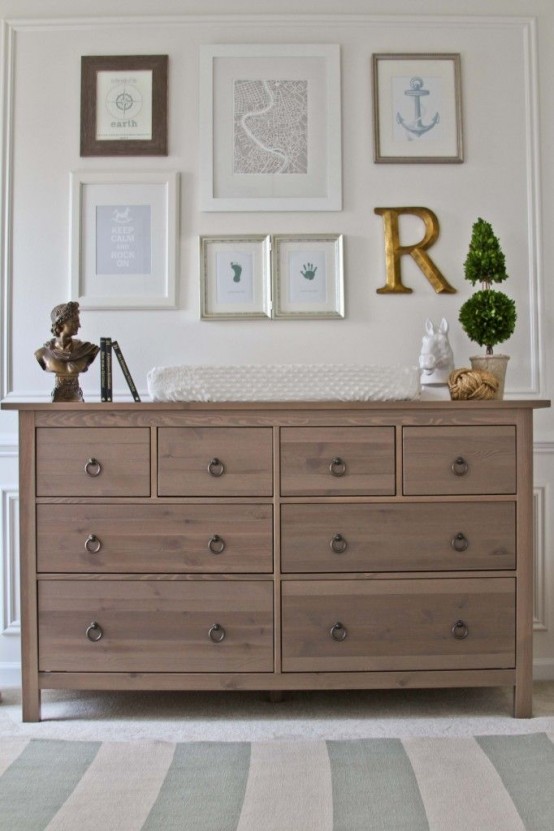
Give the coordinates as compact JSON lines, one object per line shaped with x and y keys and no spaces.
{"x":507,"y":176}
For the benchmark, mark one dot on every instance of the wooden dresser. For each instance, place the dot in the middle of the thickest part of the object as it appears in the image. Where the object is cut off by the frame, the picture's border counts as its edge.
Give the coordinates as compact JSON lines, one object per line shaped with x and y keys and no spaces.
{"x":276,"y":547}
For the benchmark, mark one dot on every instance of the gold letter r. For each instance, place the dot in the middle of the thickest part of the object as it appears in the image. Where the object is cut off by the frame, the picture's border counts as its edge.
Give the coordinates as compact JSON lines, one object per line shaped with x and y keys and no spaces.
{"x":394,"y":251}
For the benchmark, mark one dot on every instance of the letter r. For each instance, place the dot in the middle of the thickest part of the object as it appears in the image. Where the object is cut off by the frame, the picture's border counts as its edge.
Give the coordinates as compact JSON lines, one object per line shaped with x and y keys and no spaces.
{"x":394,"y":251}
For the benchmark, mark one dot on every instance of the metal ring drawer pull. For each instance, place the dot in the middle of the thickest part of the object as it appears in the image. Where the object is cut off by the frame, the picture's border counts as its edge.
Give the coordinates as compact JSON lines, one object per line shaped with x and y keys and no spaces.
{"x":216,"y":544}
{"x":94,"y":632}
{"x":459,"y":542}
{"x":337,"y":466}
{"x":460,"y":630}
{"x":216,"y":633}
{"x":338,"y":631}
{"x":216,"y":467}
{"x":338,"y":544}
{"x":459,"y":466}
{"x":93,"y":544}
{"x":93,"y":467}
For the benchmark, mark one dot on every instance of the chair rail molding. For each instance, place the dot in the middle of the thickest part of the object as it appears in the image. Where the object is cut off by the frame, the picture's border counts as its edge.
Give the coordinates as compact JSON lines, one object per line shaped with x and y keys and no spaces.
{"x":10,"y":620}
{"x":540,"y":514}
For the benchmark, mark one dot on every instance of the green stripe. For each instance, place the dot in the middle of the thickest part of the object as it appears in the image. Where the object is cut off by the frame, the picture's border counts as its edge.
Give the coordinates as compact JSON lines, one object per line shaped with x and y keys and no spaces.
{"x":526,"y":766}
{"x":36,"y":785}
{"x":374,"y":787}
{"x":204,"y":788}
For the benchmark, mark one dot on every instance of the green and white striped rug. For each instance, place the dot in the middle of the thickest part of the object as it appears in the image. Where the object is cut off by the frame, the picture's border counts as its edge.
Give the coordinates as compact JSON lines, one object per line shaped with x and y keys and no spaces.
{"x":486,"y":783}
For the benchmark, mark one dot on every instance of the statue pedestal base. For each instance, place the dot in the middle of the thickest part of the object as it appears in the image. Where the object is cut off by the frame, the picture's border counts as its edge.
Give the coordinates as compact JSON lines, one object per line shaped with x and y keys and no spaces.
{"x":67,"y":388}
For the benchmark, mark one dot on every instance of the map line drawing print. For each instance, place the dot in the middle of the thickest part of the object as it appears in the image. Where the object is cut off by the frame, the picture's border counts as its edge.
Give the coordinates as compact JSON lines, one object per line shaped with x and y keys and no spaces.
{"x":270,"y":127}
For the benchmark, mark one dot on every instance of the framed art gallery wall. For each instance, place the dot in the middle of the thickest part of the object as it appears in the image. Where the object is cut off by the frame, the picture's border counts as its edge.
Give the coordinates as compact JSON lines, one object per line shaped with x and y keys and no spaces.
{"x":330,"y":58}
{"x":505,"y":175}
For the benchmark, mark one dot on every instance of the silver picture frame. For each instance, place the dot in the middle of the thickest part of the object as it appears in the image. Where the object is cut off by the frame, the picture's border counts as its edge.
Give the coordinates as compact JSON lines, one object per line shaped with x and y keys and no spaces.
{"x":417,"y":108}
{"x":307,"y":276}
{"x":235,"y":277}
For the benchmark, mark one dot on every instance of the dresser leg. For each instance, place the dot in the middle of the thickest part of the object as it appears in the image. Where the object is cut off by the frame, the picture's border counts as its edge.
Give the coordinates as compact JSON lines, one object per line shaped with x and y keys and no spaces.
{"x":523,"y":701}
{"x":31,"y":705}
{"x":275,"y":696}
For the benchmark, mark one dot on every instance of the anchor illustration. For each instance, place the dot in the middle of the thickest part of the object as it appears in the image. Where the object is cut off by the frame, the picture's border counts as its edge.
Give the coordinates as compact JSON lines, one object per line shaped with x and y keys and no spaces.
{"x":417,"y":92}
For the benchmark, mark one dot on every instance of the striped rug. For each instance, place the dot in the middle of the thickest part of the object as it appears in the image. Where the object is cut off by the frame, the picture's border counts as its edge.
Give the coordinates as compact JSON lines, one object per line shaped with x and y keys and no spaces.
{"x":486,"y":783}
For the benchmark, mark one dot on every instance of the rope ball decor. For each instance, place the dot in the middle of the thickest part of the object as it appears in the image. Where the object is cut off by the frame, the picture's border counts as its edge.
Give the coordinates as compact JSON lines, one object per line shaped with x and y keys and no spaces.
{"x":471,"y":385}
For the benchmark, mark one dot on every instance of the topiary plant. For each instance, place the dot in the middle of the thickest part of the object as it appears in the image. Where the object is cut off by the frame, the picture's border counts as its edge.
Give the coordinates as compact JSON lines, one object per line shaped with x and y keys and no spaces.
{"x":489,"y":316}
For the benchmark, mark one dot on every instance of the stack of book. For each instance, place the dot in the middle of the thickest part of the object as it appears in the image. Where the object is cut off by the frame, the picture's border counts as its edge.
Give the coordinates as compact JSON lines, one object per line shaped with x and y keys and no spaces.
{"x":107,"y":348}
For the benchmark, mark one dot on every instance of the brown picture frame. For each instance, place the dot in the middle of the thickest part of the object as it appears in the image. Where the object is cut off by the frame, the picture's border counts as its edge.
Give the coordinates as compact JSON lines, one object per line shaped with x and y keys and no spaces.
{"x":146,"y":95}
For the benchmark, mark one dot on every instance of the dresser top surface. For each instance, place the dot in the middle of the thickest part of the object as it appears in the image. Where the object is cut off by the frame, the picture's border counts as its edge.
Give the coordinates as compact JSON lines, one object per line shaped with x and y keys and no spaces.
{"x":368,"y":406}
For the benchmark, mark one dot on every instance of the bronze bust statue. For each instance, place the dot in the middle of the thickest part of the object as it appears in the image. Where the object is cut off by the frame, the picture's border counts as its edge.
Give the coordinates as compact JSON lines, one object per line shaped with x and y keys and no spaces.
{"x":65,"y":355}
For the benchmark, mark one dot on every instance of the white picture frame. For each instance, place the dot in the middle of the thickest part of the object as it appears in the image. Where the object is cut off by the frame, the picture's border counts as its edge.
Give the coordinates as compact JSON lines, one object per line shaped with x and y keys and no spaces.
{"x":235,"y":277}
{"x":307,"y":276}
{"x":417,"y":108}
{"x":239,"y":170}
{"x":124,"y":239}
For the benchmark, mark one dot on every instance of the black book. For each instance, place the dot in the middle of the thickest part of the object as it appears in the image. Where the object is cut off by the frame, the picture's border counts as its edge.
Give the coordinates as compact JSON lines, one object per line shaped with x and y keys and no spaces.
{"x":109,"y":383}
{"x":103,"y":374}
{"x":123,"y":364}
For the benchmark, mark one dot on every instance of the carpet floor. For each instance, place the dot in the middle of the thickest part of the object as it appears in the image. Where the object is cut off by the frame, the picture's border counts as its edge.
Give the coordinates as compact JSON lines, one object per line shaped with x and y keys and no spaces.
{"x":395,"y":760}
{"x":482,"y":783}
{"x":250,"y":716}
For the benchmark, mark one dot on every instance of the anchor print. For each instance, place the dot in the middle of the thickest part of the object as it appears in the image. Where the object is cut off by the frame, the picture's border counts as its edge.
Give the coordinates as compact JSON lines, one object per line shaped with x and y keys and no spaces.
{"x":417,"y":127}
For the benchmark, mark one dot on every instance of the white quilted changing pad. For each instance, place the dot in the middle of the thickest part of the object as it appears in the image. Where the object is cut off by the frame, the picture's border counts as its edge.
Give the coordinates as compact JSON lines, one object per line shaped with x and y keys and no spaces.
{"x":293,"y":382}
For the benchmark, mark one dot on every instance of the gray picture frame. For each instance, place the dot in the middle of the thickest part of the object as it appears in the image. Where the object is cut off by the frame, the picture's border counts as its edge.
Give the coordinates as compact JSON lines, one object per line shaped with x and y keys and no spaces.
{"x":417,"y":108}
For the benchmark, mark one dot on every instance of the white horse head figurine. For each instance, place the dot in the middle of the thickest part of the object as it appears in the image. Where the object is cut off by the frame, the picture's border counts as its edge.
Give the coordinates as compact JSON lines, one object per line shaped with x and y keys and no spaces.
{"x":436,"y":359}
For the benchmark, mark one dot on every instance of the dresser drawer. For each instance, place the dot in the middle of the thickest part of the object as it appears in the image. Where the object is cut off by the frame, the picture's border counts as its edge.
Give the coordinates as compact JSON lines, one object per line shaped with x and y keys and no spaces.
{"x":93,"y":461}
{"x":390,"y":537}
{"x":337,"y":461}
{"x":459,"y":460}
{"x":155,"y":626}
{"x":154,"y":538}
{"x":355,"y":625}
{"x":215,"y":461}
